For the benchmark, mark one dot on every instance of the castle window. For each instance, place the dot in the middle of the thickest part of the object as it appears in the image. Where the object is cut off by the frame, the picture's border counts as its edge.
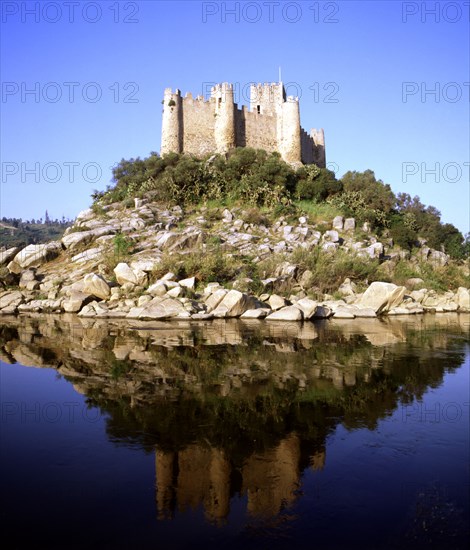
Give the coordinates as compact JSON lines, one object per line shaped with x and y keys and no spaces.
{"x":258,"y":109}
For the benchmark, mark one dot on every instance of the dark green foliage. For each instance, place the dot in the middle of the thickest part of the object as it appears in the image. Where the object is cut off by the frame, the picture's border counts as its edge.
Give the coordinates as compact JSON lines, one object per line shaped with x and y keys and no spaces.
{"x":377,"y":194}
{"x":249,"y":175}
{"x":426,"y":221}
{"x":317,"y":184}
{"x":401,"y":232}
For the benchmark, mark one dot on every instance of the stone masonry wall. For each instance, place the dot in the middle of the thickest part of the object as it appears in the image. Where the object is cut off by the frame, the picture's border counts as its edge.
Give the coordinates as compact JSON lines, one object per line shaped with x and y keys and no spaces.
{"x":198,"y":126}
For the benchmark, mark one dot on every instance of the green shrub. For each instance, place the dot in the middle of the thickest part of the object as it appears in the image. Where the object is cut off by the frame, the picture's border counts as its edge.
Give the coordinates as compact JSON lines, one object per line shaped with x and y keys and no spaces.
{"x":122,"y":247}
{"x":206,"y":266}
{"x":331,"y":268}
{"x":316,"y":184}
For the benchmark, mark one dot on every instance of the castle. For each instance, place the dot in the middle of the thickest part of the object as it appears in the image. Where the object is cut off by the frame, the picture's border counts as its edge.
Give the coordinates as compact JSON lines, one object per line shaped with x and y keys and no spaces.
{"x":200,"y":127}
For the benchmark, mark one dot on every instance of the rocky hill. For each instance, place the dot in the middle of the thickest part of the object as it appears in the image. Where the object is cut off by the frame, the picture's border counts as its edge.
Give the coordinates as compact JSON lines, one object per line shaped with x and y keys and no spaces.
{"x":147,"y":261}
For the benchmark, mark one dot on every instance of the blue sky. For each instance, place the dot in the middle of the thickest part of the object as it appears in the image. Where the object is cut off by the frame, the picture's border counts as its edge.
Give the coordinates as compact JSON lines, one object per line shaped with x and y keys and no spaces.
{"x":82,"y":84}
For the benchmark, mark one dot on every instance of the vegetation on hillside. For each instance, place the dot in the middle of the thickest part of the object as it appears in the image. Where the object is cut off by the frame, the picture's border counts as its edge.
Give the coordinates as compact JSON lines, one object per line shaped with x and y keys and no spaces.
{"x":16,"y":232}
{"x":260,"y":179}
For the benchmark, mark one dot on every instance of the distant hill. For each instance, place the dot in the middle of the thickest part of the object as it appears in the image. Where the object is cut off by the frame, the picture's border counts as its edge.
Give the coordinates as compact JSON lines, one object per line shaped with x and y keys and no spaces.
{"x":16,"y":232}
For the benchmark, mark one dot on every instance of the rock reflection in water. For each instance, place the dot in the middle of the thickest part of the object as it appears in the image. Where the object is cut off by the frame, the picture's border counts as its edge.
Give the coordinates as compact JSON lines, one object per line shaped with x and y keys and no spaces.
{"x":238,"y":408}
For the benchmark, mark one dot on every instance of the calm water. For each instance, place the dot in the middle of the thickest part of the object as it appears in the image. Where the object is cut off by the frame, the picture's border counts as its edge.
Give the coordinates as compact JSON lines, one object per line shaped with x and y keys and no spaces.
{"x":235,"y":434}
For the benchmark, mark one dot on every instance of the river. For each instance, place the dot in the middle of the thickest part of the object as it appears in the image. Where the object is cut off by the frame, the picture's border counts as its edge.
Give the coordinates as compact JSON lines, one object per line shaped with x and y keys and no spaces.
{"x":232,"y":434}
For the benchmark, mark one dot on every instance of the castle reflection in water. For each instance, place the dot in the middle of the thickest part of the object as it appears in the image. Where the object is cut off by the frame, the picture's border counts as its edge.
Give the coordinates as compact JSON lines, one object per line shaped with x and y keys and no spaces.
{"x":238,"y":409}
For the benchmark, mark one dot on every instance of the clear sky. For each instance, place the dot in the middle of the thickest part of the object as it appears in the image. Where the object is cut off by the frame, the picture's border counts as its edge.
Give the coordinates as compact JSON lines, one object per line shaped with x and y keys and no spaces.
{"x":82,"y":84}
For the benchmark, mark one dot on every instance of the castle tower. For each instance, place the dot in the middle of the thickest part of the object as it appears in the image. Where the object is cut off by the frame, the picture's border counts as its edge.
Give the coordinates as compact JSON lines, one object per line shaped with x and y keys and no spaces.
{"x":267,"y":99}
{"x":290,"y":145}
{"x":172,"y":124}
{"x":224,"y":127}
{"x":319,"y":156}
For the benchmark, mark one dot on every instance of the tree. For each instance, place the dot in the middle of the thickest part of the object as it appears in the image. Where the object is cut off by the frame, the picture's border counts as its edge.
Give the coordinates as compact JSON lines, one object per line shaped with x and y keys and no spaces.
{"x":316,"y":184}
{"x":377,"y":194}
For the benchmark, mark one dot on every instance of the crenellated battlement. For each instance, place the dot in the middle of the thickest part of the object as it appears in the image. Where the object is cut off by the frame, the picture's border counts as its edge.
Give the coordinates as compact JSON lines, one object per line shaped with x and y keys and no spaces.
{"x":201,"y":126}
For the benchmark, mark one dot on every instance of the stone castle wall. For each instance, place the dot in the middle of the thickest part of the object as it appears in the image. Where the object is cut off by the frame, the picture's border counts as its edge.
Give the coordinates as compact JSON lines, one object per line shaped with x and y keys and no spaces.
{"x":200,"y":127}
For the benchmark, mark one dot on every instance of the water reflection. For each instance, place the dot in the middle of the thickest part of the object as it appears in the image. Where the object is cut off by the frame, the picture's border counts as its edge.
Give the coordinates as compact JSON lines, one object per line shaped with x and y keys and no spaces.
{"x":238,"y":408}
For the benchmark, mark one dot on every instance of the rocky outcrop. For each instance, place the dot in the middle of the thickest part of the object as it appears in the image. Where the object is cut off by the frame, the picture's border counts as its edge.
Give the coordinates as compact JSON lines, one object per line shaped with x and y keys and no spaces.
{"x":125,"y":274}
{"x":288,"y":313}
{"x":81,"y":238}
{"x":95,"y":285}
{"x":35,"y":255}
{"x":7,"y":255}
{"x":159,"y":308}
{"x":382,"y":297}
{"x":91,"y":256}
{"x":10,"y":300}
{"x":234,"y":304}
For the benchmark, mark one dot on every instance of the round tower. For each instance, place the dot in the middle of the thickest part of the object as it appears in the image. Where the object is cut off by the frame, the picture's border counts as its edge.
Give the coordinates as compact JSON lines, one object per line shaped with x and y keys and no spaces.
{"x":224,"y":126}
{"x":290,"y":147}
{"x":172,"y":123}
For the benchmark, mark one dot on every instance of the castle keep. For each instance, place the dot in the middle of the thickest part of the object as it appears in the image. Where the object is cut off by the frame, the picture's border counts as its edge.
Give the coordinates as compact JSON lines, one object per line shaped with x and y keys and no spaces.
{"x":272,"y":122}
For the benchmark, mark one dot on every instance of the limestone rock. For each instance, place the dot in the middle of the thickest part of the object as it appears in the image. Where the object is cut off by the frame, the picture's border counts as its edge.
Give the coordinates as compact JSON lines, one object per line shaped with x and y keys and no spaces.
{"x":349,"y":224}
{"x":158,"y":309}
{"x":88,"y":255}
{"x":375,"y":250}
{"x":143,"y":300}
{"x":330,"y":246}
{"x":306,"y":280}
{"x":215,"y":298}
{"x":307,"y":306}
{"x":157,"y":289}
{"x":322,"y":312}
{"x":227,"y":216}
{"x":277,"y":302}
{"x":50,"y":306}
{"x":234,"y":304}
{"x":463,"y":298}
{"x":382,"y":297}
{"x":436,"y":257}
{"x":95,"y":285}
{"x":94,"y":309}
{"x":343,"y":313}
{"x":259,"y":313}
{"x":338,"y":222}
{"x":11,"y":300}
{"x":331,"y":236}
{"x":175,"y":292}
{"x":72,"y":240}
{"x":288,"y":313}
{"x":27,"y":277}
{"x":75,"y":302}
{"x":125,"y":274}
{"x":35,"y":255}
{"x":190,"y":283}
{"x":362,"y":311}
{"x":7,"y":255}
{"x":347,"y":288}
{"x":201,"y":316}
{"x":399,"y":311}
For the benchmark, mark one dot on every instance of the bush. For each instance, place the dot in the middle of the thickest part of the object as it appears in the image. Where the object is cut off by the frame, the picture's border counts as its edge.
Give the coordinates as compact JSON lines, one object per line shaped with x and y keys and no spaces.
{"x":331,"y":268}
{"x":316,"y":184}
{"x":206,"y":267}
{"x":402,"y":234}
